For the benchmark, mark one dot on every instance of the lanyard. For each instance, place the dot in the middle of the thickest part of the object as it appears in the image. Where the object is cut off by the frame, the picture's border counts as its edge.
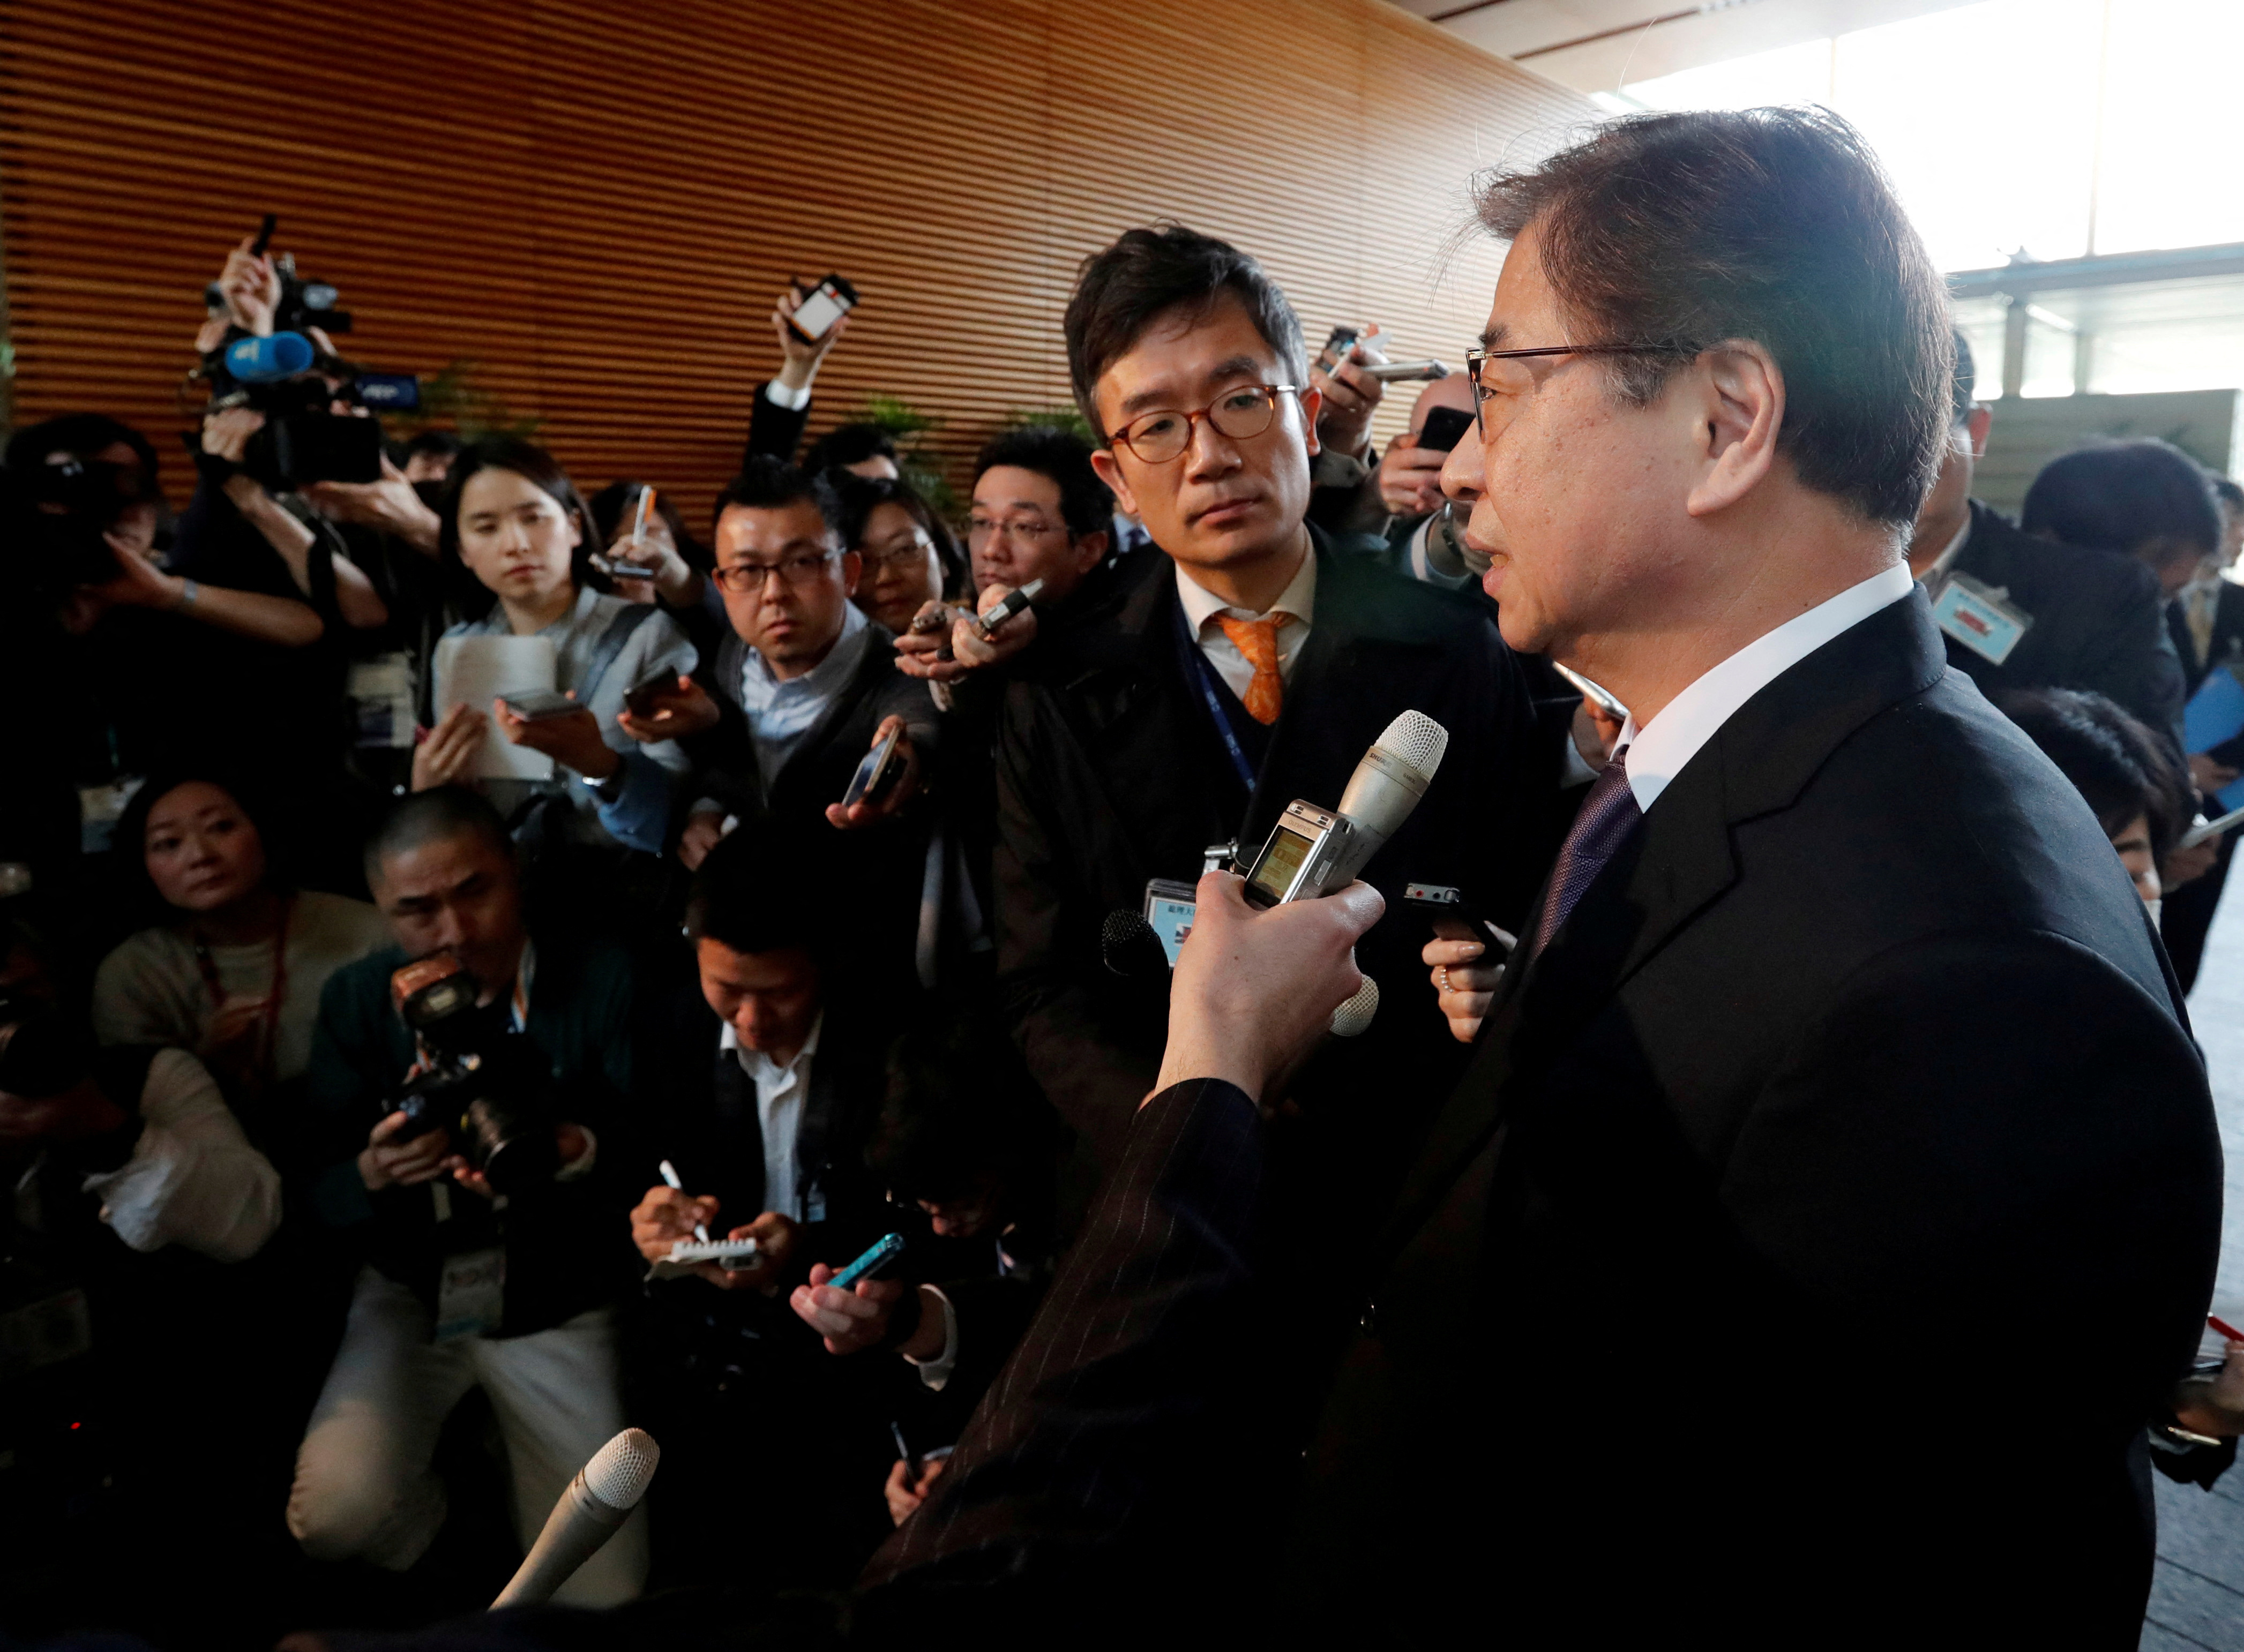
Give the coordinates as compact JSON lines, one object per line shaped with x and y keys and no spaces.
{"x":1203,"y":674}
{"x":268,"y":1017}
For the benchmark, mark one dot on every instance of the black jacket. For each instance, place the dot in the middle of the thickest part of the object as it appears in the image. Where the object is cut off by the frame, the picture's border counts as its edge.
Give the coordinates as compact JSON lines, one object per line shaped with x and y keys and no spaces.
{"x":773,"y":429}
{"x":1111,"y":772}
{"x":1825,"y":1210}
{"x":2099,"y":622}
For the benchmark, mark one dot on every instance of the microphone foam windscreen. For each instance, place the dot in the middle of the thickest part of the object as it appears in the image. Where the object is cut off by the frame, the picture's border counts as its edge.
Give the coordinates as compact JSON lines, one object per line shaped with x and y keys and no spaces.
{"x":1128,"y":946}
{"x":620,"y":1470}
{"x":1356,"y":1014}
{"x":1415,"y":741}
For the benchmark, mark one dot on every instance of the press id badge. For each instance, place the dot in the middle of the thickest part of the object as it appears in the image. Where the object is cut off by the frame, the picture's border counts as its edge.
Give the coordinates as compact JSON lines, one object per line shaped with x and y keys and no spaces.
{"x":1976,"y":616}
{"x":1169,"y":909}
{"x":471,"y":1295}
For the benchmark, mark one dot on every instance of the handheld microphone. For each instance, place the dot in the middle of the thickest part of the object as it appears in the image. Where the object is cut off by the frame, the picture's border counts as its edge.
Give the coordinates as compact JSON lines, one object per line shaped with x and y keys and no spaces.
{"x":1313,"y":852}
{"x":1128,"y":947}
{"x":597,"y":1501}
{"x":269,"y":359}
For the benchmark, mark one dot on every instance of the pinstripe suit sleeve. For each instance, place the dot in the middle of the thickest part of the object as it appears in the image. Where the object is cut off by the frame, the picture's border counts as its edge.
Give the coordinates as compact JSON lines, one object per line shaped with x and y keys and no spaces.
{"x":1118,"y":1398}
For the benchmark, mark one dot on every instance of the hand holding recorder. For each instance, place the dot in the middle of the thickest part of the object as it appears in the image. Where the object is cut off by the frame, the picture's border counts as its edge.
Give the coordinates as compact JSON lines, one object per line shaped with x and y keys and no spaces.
{"x":885,"y":781}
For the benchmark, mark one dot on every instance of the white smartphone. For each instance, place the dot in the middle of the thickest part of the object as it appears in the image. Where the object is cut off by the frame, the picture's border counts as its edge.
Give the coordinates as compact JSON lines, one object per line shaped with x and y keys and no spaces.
{"x":821,"y":306}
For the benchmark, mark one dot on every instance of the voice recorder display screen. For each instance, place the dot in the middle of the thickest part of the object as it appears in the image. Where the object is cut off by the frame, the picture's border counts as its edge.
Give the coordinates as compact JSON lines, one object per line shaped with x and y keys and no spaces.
{"x":1282,"y":859}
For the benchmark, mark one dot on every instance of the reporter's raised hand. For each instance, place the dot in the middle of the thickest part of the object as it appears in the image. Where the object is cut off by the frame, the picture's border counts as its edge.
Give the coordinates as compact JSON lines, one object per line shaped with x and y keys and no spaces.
{"x":799,"y":358}
{"x":1351,"y":396}
{"x":391,"y":504}
{"x":1009,"y":639}
{"x":445,"y":754}
{"x":704,"y":832}
{"x":226,"y":432}
{"x":910,"y":1483}
{"x":776,"y":1237}
{"x":251,"y":287}
{"x":1253,"y":990}
{"x":1410,"y":477}
{"x":678,"y":713}
{"x":1465,"y":979}
{"x":138,"y":582}
{"x":900,"y":793}
{"x":925,"y":650}
{"x":850,"y":1320}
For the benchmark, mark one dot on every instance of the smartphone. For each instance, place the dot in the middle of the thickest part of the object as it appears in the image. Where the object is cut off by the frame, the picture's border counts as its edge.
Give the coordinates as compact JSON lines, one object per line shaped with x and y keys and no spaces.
{"x":537,"y":704}
{"x":645,"y":699}
{"x":1455,"y":918}
{"x":873,"y":778}
{"x":889,"y":1247}
{"x":1338,"y":340}
{"x":1596,"y":697}
{"x":1444,"y":428}
{"x":1169,"y":907}
{"x":264,"y":235}
{"x":821,"y":306}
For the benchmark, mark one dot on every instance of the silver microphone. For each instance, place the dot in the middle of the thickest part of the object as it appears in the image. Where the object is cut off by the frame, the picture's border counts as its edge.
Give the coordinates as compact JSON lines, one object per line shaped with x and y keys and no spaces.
{"x":597,"y":1501}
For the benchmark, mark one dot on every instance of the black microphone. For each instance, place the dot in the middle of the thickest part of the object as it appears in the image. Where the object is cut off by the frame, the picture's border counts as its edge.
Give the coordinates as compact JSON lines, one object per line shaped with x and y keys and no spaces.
{"x":1128,"y":946}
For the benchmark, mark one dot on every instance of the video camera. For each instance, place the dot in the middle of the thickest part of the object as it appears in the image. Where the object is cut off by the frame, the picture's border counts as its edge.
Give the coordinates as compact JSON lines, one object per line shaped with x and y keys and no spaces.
{"x":54,"y":516}
{"x":481,"y":1080}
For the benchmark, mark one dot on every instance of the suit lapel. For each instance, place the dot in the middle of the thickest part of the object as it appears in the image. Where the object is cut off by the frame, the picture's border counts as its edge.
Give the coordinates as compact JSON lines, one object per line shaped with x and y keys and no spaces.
{"x":1678,"y":864}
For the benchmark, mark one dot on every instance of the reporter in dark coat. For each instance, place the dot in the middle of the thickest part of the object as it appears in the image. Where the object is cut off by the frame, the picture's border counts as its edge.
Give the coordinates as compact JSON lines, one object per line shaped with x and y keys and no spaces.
{"x":2096,"y":613}
{"x":1840,"y":1066}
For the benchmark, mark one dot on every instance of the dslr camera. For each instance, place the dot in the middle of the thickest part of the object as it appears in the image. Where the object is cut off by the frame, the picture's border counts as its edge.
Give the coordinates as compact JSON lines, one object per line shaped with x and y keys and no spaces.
{"x":55,"y":515}
{"x":479,"y":1079}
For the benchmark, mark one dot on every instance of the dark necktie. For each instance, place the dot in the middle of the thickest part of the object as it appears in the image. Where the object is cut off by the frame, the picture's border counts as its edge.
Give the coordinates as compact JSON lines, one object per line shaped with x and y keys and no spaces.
{"x":1608,"y":815}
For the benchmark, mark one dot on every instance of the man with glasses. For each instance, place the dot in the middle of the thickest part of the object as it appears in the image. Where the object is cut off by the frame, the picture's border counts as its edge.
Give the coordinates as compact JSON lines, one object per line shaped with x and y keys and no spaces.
{"x":803,"y":685}
{"x":1198,"y":691}
{"x":1040,"y":512}
{"x":1838,"y":1055}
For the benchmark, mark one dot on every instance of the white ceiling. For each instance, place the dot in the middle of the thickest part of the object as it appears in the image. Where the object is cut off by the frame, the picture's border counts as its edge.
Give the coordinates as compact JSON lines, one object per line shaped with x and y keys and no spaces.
{"x":1710,"y":33}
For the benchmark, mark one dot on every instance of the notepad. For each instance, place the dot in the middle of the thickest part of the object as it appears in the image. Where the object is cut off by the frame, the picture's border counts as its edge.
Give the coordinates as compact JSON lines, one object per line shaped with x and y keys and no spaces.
{"x":475,"y":670}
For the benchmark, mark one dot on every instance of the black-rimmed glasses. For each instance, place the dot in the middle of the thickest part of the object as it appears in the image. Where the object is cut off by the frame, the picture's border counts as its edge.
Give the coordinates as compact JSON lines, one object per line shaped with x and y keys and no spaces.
{"x":1240,"y":413}
{"x":1477,"y":358}
{"x":801,"y":571}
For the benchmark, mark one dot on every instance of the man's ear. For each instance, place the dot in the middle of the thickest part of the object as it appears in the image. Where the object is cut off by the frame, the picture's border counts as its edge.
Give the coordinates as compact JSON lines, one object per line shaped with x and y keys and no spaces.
{"x":1736,"y":396}
{"x":852,"y":566}
{"x":1091,"y":550}
{"x":1982,"y":416}
{"x":1312,"y":402}
{"x":1110,"y":472}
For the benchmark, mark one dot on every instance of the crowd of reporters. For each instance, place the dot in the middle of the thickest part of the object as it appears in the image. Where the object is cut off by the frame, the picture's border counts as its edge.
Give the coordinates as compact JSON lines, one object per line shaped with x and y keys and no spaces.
{"x":281,"y":1205}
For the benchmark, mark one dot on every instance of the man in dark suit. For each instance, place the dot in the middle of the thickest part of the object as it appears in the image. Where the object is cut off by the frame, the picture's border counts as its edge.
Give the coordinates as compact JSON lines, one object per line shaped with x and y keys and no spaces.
{"x":1838,"y":1062}
{"x":1203,"y":690}
{"x":2093,"y":618}
{"x":804,"y":684}
{"x":2207,"y":624}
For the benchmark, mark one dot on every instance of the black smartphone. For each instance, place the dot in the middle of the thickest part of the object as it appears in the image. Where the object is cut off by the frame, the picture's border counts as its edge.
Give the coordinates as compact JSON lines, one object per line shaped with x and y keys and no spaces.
{"x":646,"y":700}
{"x":1455,"y":918}
{"x":821,"y":306}
{"x":264,"y":235}
{"x":1444,"y":428}
{"x":534,"y":705}
{"x":876,"y":773}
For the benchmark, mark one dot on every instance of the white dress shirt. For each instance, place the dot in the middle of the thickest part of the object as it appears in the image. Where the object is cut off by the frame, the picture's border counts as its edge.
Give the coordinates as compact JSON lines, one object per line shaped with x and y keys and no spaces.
{"x":782,"y":1094}
{"x":780,"y":396}
{"x":1658,"y":751}
{"x":1202,"y":605}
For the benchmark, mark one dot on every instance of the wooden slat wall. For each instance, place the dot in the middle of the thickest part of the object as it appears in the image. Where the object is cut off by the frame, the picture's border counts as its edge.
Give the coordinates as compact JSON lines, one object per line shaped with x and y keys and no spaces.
{"x":596,"y":202}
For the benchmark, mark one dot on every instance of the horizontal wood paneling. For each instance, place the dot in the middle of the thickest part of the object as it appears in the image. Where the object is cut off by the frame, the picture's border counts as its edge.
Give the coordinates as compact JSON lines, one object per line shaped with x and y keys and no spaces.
{"x":596,"y":203}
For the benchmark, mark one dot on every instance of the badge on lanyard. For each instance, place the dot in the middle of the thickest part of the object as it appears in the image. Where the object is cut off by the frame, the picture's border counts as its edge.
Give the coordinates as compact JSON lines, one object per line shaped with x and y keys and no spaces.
{"x":471,"y":1294}
{"x":1978,"y":616}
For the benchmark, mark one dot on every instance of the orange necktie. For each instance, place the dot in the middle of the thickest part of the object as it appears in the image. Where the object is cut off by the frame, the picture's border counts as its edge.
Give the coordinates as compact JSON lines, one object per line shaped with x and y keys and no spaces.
{"x":1258,"y":640}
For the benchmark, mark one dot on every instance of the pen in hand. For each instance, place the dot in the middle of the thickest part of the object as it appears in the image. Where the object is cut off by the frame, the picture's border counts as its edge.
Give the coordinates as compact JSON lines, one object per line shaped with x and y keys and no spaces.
{"x":670,"y":1175}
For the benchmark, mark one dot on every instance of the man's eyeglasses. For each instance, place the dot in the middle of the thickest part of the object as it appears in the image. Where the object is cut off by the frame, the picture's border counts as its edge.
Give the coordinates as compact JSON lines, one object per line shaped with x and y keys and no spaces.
{"x":1477,"y":359}
{"x":1164,"y":435}
{"x":742,"y":578}
{"x":984,"y":528}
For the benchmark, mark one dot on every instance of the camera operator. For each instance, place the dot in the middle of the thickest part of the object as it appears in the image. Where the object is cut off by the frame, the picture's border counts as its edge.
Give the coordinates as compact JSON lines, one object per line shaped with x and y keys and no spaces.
{"x":765,"y":1116}
{"x":462,"y":1289}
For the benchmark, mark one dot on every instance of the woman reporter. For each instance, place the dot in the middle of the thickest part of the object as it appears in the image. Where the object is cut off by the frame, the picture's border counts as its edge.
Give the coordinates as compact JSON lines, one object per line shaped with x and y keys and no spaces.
{"x":909,"y":557}
{"x":231,"y":967}
{"x":512,"y":517}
